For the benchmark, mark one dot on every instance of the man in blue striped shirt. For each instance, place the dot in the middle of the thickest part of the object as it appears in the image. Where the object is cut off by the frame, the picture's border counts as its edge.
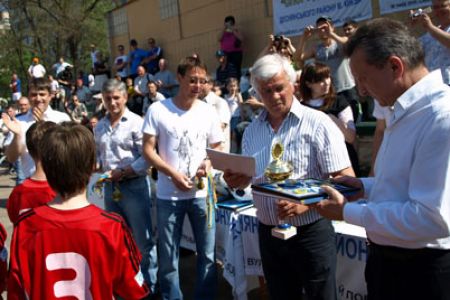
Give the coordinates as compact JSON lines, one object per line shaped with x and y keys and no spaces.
{"x":316,"y":149}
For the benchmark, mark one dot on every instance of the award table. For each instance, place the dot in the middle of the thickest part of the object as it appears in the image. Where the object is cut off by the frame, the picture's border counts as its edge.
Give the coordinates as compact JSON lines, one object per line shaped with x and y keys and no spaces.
{"x":237,"y":248}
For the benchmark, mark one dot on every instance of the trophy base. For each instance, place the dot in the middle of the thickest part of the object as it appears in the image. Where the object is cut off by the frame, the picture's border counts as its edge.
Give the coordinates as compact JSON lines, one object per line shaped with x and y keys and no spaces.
{"x":284,"y":233}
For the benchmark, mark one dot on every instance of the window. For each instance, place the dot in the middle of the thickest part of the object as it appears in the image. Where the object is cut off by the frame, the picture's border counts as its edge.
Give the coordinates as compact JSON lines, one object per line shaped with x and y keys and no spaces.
{"x":168,"y":9}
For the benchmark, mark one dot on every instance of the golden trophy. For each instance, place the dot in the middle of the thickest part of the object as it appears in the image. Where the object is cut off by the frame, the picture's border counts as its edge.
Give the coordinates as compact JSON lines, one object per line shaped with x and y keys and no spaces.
{"x":279,"y":170}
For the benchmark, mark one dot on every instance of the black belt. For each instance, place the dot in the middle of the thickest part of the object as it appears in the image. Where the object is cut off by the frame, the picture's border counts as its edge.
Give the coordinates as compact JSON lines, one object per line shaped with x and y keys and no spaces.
{"x":404,"y":254}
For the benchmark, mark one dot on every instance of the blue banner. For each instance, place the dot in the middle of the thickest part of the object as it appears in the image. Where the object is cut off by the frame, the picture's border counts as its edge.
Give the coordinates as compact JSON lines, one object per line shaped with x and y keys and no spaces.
{"x":391,"y":6}
{"x":290,"y":17}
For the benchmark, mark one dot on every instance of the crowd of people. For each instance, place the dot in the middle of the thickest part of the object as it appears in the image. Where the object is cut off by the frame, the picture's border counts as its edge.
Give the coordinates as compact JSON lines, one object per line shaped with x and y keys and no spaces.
{"x":151,"y":124}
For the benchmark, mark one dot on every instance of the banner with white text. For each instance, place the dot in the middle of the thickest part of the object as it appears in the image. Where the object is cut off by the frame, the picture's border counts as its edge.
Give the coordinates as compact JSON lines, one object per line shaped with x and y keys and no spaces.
{"x":290,"y":17}
{"x":392,"y":6}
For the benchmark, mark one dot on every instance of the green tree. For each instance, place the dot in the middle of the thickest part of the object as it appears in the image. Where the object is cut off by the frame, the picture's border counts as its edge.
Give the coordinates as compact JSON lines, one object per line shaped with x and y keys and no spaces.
{"x":50,"y":29}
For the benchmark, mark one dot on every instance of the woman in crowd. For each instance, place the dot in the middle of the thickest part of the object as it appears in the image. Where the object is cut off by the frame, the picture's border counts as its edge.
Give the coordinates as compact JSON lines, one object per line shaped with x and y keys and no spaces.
{"x":317,"y":92}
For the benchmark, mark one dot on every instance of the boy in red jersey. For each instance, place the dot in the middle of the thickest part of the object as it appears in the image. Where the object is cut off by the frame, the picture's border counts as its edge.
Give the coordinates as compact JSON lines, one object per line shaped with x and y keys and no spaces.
{"x":69,"y":247}
{"x":34,"y":191}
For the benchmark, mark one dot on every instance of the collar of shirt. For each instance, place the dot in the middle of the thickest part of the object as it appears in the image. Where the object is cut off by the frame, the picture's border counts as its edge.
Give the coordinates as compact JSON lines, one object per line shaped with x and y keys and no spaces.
{"x":125,"y":117}
{"x":414,"y":94}
{"x":295,"y":110}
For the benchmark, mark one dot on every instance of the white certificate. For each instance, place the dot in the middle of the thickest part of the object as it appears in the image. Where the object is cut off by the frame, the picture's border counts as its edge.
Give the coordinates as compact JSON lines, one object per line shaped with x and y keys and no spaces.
{"x":233,"y":162}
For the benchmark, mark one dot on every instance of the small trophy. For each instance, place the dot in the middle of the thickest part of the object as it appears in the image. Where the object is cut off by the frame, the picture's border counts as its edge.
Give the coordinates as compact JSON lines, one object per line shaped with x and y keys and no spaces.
{"x":279,"y":170}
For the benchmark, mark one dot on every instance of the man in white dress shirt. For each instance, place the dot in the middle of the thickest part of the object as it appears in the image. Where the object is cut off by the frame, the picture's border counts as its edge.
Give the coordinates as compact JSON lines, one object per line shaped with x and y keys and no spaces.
{"x":407,"y":213}
{"x":40,"y":97}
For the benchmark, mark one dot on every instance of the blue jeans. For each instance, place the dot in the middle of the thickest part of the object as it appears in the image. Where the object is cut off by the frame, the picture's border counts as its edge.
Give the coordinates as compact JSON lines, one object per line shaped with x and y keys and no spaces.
{"x":170,"y":226}
{"x":19,"y":171}
{"x":135,"y":207}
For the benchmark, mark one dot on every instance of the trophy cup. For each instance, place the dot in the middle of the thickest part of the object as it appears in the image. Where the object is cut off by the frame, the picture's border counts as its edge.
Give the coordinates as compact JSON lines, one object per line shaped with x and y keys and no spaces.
{"x":279,"y":170}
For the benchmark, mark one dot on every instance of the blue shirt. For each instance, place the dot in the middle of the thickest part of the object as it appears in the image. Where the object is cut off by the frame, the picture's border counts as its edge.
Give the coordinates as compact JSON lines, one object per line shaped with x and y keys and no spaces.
{"x":136,"y":57}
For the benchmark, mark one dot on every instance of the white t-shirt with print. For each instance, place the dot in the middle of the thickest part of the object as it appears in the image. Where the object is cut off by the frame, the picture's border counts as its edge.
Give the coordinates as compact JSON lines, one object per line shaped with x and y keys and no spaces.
{"x":183,"y":137}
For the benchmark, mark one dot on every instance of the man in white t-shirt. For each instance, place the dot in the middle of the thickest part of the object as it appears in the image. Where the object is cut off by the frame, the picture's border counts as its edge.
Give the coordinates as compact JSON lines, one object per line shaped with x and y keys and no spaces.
{"x":221,"y":107}
{"x":36,"y":70}
{"x":182,"y":127}
{"x":40,"y":97}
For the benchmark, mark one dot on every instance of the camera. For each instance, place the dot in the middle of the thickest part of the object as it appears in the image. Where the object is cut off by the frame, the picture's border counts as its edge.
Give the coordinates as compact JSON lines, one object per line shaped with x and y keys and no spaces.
{"x":278,"y":38}
{"x":415,"y":14}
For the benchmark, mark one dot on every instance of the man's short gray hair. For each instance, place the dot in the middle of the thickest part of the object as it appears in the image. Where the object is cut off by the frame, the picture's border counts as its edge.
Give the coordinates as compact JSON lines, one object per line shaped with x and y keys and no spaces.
{"x":269,"y":66}
{"x":112,"y":85}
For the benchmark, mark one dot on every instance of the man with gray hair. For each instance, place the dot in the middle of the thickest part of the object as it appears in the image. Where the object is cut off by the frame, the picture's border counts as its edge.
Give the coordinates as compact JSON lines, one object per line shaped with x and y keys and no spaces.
{"x":406,"y":216}
{"x":316,"y":148}
{"x":118,"y":139}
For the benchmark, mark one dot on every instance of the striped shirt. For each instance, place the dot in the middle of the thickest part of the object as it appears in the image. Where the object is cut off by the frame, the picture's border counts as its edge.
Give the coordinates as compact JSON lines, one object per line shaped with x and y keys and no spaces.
{"x":313,"y":144}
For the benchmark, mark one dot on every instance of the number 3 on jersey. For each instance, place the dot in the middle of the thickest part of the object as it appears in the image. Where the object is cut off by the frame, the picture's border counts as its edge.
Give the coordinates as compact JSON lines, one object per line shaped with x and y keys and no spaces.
{"x":79,"y":286}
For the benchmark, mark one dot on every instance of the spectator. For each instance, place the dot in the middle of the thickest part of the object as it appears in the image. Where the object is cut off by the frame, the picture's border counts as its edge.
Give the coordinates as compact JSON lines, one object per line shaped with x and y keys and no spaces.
{"x":93,"y":54}
{"x":165,"y":79}
{"x":77,"y":110}
{"x":83,"y":93}
{"x":152,"y":96}
{"x":182,"y":127}
{"x":329,"y":51}
{"x":154,"y":54}
{"x":16,"y":87}
{"x":225,"y":70}
{"x":135,"y":58}
{"x":36,"y":70}
{"x":406,"y":213}
{"x":40,"y":97}
{"x":316,"y":149}
{"x":101,"y":72}
{"x":221,"y":107}
{"x":65,"y":82}
{"x":231,"y":41}
{"x":140,"y":90}
{"x":436,"y":42}
{"x":34,"y":191}
{"x":234,"y":100}
{"x":23,"y":106}
{"x":317,"y":92}
{"x":121,"y":63}
{"x":69,"y":237}
{"x":349,"y":28}
{"x":61,"y":65}
{"x":93,"y":121}
{"x":118,"y":139}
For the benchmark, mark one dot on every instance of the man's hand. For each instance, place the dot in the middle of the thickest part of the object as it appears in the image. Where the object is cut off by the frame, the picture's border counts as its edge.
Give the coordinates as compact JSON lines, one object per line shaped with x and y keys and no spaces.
{"x":182,"y":182}
{"x":333,"y":207}
{"x":203,"y":169}
{"x":116,"y":174}
{"x":308,"y":32}
{"x":288,"y":209}
{"x":38,"y":114}
{"x":12,"y":125}
{"x":353,"y":182}
{"x":236,"y":180}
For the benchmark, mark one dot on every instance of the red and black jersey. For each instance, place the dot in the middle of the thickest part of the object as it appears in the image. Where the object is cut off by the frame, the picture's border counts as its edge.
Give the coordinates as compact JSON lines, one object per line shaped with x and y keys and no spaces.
{"x":83,"y":253}
{"x":29,"y":194}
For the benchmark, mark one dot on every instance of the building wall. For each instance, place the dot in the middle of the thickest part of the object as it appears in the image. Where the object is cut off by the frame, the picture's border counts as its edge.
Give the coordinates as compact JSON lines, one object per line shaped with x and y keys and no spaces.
{"x":198,"y":24}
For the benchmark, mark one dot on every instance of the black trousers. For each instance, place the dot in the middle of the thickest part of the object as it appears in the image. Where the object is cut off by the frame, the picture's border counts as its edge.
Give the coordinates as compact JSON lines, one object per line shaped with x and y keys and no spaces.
{"x":409,"y":274}
{"x":306,"y":261}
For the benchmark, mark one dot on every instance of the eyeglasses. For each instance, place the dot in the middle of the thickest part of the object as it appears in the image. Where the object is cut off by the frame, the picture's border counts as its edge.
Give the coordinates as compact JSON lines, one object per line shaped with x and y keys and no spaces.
{"x":196,"y":80}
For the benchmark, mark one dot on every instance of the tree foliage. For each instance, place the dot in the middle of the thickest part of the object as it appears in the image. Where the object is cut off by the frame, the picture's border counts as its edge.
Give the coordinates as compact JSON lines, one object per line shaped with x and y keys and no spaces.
{"x":50,"y":29}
